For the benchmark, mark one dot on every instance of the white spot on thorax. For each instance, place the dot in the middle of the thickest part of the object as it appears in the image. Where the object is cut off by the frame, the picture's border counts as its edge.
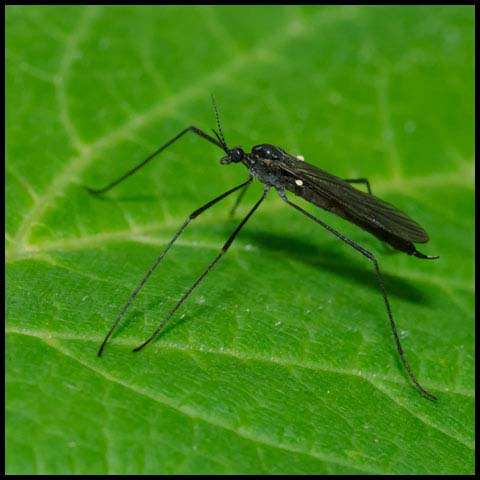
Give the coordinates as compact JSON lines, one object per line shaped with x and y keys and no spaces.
{"x":301,"y":158}
{"x":299,"y":182}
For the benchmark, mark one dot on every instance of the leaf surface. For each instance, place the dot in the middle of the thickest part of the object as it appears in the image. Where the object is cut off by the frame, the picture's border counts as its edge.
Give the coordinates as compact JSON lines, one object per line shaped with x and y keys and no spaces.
{"x":282,"y":361}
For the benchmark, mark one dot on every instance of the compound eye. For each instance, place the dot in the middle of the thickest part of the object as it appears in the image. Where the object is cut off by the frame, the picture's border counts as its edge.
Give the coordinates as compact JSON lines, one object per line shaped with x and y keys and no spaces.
{"x":236,"y":155}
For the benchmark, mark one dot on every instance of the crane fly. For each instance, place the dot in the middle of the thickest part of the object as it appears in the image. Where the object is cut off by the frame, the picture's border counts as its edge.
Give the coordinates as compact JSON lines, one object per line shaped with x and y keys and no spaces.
{"x":283,"y":172}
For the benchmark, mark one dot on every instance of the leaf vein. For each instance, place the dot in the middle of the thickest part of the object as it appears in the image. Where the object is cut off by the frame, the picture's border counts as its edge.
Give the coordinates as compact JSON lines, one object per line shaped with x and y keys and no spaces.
{"x":327,"y":458}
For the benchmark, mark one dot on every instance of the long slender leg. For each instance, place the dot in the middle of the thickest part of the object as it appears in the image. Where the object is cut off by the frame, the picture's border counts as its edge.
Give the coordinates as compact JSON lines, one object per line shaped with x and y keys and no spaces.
{"x":363,"y":181}
{"x":193,"y":215}
{"x":238,"y":200}
{"x":192,"y":129}
{"x":372,"y":258}
{"x":225,"y":247}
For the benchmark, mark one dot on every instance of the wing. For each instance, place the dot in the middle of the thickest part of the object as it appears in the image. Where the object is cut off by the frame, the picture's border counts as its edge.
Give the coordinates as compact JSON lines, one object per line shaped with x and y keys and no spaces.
{"x":332,"y":193}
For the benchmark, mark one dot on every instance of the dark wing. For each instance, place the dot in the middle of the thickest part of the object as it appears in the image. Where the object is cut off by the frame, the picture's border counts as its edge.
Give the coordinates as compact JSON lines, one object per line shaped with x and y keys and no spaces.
{"x":321,"y":187}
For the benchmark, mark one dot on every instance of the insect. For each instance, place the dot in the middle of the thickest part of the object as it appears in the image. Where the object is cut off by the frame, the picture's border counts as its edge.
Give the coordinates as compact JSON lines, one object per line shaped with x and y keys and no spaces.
{"x":280,"y":171}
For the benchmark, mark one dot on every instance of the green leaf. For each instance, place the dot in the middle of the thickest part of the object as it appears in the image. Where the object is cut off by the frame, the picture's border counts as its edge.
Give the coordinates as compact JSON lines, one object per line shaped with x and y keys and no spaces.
{"x":282,"y":361}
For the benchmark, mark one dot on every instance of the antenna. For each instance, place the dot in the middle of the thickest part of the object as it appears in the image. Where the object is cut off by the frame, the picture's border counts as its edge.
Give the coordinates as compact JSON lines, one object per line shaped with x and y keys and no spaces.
{"x":220,"y":136}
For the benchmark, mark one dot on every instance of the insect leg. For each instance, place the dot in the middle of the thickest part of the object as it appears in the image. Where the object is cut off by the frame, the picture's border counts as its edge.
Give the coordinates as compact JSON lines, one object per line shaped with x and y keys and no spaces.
{"x":224,"y":249}
{"x":193,"y":215}
{"x":238,"y":200}
{"x":372,"y":258}
{"x":364,"y":181}
{"x":192,"y":129}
